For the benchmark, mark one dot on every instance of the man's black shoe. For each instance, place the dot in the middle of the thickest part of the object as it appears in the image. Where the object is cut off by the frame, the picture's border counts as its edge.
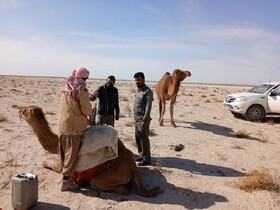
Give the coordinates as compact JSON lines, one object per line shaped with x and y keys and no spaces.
{"x":138,"y":159}
{"x":144,"y":163}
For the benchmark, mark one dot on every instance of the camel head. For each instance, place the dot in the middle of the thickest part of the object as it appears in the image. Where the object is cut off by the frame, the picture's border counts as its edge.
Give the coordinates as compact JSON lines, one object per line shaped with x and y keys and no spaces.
{"x":35,"y":117}
{"x":180,"y":75}
{"x":31,"y":113}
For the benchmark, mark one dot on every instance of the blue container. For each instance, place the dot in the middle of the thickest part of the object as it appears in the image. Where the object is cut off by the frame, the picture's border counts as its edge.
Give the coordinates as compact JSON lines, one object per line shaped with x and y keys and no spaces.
{"x":24,"y":191}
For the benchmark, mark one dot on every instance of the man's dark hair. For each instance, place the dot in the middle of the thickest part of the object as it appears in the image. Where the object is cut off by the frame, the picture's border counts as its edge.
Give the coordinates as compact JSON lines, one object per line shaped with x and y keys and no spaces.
{"x":139,"y":74}
{"x":111,"y":77}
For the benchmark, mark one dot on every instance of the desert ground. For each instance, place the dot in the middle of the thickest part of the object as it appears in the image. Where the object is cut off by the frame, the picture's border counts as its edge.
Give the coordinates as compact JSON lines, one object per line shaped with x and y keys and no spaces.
{"x":205,"y":174}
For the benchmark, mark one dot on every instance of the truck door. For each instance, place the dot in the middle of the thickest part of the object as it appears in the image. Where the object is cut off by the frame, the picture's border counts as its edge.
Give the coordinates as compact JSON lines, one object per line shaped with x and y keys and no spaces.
{"x":273,"y":101}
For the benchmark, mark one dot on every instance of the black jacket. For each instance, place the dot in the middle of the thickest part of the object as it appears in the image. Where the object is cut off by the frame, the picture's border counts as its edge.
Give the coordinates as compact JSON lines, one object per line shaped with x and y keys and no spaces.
{"x":108,"y":100}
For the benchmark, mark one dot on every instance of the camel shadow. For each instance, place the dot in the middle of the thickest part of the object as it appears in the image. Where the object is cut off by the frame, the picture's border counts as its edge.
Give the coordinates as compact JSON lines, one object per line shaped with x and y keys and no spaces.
{"x":47,"y":206}
{"x":170,"y":194}
{"x":214,"y":128}
{"x":198,"y":168}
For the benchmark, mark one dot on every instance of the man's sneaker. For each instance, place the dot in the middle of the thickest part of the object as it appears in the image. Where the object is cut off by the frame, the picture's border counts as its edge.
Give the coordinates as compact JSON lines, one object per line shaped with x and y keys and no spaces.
{"x":144,"y":163}
{"x":69,"y":185}
{"x":138,"y":159}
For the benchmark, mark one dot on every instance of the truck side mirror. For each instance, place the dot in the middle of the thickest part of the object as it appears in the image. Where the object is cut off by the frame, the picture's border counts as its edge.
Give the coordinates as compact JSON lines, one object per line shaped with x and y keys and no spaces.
{"x":272,"y":94}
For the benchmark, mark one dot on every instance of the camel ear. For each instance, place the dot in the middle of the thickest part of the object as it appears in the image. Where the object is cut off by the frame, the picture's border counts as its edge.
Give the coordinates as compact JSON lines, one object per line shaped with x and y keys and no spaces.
{"x":31,"y":110}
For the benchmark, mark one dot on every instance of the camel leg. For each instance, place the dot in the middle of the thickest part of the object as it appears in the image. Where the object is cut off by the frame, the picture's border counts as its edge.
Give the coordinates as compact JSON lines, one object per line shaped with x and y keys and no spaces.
{"x":52,"y":165}
{"x":163,"y":104}
{"x":117,"y":175}
{"x":172,"y":102}
{"x":159,"y":108}
{"x":105,"y":185}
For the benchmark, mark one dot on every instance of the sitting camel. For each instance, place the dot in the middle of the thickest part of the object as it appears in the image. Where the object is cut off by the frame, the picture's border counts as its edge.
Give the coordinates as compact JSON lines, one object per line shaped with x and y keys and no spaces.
{"x":167,"y":89}
{"x":113,"y":175}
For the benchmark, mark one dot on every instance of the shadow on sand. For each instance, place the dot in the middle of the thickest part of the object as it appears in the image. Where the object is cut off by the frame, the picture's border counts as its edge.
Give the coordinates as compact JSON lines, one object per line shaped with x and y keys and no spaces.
{"x":213,"y":128}
{"x":47,"y":206}
{"x":198,"y":168}
{"x":171,"y":194}
{"x":275,"y":120}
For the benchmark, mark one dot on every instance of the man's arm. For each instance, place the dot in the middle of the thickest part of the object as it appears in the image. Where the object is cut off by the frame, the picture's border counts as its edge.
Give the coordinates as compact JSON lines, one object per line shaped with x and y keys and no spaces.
{"x":94,"y":95}
{"x":117,"y":107}
{"x":85,"y":104}
{"x":148,"y":107}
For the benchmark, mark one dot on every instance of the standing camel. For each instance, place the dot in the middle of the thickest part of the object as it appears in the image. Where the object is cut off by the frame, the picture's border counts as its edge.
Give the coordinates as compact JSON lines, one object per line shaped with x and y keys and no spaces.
{"x":167,"y":89}
{"x":113,"y":175}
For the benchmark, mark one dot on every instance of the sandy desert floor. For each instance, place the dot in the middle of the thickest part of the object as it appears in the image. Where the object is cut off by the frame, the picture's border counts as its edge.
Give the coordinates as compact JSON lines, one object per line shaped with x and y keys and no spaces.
{"x":204,"y":175}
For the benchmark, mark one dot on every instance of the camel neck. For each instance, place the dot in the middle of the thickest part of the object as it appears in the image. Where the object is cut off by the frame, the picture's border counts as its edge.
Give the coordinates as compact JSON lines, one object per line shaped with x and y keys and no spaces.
{"x":46,"y":137}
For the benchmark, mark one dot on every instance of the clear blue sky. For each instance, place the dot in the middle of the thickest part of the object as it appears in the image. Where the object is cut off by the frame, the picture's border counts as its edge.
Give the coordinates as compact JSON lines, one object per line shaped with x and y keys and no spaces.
{"x":219,"y":41}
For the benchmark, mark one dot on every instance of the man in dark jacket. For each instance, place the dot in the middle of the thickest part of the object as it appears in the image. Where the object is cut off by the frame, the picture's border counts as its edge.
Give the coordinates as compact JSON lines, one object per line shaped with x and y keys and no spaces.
{"x":108,"y":106}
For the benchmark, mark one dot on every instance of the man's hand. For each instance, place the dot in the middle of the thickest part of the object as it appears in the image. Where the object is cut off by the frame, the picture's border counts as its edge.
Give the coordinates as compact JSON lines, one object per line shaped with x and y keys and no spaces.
{"x":93,"y":96}
{"x":144,"y":125}
{"x":117,"y":117}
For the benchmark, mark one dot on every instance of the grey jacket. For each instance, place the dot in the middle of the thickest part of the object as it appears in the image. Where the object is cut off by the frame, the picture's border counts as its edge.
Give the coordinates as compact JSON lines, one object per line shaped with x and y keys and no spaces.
{"x":143,"y":104}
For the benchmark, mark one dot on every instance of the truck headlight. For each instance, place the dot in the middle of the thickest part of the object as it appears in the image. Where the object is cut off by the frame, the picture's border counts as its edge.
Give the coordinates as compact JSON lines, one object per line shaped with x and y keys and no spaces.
{"x":241,"y":98}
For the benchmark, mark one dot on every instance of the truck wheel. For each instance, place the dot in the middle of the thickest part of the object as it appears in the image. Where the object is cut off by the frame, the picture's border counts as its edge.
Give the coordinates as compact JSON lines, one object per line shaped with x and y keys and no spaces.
{"x":255,"y":113}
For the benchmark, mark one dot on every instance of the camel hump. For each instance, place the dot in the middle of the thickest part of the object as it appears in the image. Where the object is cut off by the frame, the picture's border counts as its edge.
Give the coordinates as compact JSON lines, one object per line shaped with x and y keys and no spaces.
{"x":166,"y":75}
{"x":99,"y":144}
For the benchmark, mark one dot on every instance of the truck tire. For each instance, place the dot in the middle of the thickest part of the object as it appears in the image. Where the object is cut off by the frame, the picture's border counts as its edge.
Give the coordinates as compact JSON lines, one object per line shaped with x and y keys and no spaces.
{"x":255,"y":113}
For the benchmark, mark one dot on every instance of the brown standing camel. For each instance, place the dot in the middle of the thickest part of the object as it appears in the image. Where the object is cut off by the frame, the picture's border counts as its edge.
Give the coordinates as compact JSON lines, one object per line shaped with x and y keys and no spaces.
{"x":115,"y":175}
{"x":167,"y":89}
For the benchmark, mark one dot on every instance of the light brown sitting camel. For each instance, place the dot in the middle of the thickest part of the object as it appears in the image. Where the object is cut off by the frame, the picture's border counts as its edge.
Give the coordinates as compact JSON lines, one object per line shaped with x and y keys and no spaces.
{"x":114,"y":176}
{"x":167,"y":89}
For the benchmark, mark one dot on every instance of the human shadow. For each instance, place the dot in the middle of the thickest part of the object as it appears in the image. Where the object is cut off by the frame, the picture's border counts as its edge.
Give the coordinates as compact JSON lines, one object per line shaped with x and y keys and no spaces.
{"x":215,"y":129}
{"x":170,"y":194}
{"x":47,"y":206}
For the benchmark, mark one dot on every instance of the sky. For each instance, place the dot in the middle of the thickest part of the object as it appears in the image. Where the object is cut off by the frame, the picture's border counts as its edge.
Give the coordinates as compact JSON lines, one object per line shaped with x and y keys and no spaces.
{"x":218,"y":41}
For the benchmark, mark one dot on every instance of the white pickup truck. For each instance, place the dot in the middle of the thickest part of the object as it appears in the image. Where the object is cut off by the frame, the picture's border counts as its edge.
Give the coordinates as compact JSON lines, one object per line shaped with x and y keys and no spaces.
{"x":256,"y":103}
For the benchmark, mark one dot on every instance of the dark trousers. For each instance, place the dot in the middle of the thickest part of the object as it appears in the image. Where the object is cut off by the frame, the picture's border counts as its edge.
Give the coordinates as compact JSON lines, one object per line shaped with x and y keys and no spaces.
{"x":142,"y":141}
{"x":105,"y":120}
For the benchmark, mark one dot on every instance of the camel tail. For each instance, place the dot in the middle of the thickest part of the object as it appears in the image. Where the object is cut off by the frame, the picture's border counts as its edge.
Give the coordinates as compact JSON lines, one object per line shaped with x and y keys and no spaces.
{"x":140,"y":188}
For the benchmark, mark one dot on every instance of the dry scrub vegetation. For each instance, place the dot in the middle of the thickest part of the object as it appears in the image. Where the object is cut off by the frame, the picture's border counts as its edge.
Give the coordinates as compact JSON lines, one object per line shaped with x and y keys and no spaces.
{"x":130,"y":124}
{"x":260,"y":180}
{"x":241,"y":134}
{"x":262,"y":139}
{"x":2,"y":118}
{"x":152,"y":132}
{"x":49,"y":113}
{"x":237,"y":146}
